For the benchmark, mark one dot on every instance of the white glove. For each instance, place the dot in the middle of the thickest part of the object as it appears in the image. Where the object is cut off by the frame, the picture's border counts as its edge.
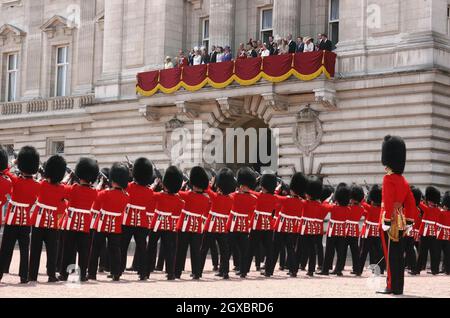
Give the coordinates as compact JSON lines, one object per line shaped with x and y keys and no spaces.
{"x":409,"y":229}
{"x":385,"y":227}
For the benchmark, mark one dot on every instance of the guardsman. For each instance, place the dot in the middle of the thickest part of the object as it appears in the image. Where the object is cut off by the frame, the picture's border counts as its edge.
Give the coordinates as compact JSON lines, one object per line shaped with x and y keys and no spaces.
{"x":44,"y":218}
{"x":262,"y":219}
{"x":190,"y":225}
{"x":168,"y":207}
{"x":352,"y":225}
{"x":108,"y":227}
{"x":443,"y":231}
{"x":5,"y":181}
{"x":238,"y":225}
{"x":286,"y":226}
{"x":336,"y":231}
{"x":25,"y":190}
{"x":428,"y":231}
{"x":412,"y":233}
{"x":76,"y":221}
{"x":397,"y":210}
{"x":136,"y":218}
{"x":216,"y":223}
{"x":370,"y":233}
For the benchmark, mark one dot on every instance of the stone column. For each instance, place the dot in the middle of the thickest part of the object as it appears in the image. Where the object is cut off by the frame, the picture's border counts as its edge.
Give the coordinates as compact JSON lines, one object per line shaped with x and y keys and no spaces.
{"x":286,"y":18}
{"x":221,"y":22}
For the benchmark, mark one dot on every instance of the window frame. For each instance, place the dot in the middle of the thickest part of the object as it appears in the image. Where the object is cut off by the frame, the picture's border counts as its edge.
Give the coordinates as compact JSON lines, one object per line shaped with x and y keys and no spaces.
{"x":205,"y":40}
{"x":9,"y":72}
{"x":52,"y":146}
{"x":263,"y":31}
{"x":65,"y":65}
{"x":332,"y":23}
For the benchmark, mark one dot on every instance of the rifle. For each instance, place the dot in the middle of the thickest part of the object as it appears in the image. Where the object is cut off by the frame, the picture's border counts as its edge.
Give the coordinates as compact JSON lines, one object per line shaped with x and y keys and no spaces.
{"x":129,"y":163}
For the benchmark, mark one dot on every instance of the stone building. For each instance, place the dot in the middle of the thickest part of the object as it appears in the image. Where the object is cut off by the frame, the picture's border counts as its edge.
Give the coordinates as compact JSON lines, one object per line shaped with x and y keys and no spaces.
{"x":68,"y":76}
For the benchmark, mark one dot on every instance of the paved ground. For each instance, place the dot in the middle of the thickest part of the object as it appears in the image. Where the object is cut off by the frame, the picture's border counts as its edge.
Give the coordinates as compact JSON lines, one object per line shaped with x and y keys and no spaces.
{"x":255,"y":287}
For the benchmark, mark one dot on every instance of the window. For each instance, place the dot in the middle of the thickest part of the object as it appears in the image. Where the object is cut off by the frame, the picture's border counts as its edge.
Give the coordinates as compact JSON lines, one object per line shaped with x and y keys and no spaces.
{"x":334,"y":21}
{"x":448,"y":18}
{"x":9,"y":147}
{"x":56,"y":147}
{"x":62,"y":66}
{"x":12,"y":71}
{"x":205,"y":33}
{"x":266,"y":24}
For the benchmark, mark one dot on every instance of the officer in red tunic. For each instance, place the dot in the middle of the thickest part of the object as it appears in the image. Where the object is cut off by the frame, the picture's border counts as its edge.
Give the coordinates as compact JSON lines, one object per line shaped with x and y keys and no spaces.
{"x":428,"y":231}
{"x":262,"y":219}
{"x":352,"y":225}
{"x":197,"y":205}
{"x":108,"y":227}
{"x":339,"y":213}
{"x":24,"y":192}
{"x":168,"y":207}
{"x":410,"y":237}
{"x":238,"y":225}
{"x":44,"y":218}
{"x":397,"y":211}
{"x":286,"y":225}
{"x":443,"y":231}
{"x":370,"y":233}
{"x":5,"y":181}
{"x":216,"y":223}
{"x":136,"y":219}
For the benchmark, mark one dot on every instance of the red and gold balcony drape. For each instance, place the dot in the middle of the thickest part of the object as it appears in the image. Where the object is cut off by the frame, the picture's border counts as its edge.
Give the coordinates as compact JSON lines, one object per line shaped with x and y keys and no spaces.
{"x":275,"y":69}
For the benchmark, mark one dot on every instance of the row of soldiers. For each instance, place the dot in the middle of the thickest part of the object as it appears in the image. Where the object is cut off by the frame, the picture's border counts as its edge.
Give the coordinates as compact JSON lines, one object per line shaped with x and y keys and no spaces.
{"x":85,"y":210}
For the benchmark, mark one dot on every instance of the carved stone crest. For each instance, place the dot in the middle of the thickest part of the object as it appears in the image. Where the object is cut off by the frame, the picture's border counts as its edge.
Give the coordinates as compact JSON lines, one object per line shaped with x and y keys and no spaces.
{"x":308,"y":131}
{"x":171,"y":126}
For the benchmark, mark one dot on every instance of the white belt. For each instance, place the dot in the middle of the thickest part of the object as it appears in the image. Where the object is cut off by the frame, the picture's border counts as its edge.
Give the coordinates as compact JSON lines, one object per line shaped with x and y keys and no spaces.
{"x":175,"y":217}
{"x":161,"y":213}
{"x":239,"y":214}
{"x":110,"y":213}
{"x":289,"y":216}
{"x":84,"y":211}
{"x":150,"y":214}
{"x":136,"y":207}
{"x":371,"y":223}
{"x":194,"y":215}
{"x":337,"y":222}
{"x":218,"y":215}
{"x":312,"y":220}
{"x":186,"y":220}
{"x":429,"y":222}
{"x":263,"y":213}
{"x":46,"y":207}
{"x":353,"y":222}
{"x":19,"y":205}
{"x":443,"y":226}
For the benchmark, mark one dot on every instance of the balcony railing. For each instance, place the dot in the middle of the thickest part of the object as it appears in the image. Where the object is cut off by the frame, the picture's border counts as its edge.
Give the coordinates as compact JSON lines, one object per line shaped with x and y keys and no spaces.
{"x":45,"y":105}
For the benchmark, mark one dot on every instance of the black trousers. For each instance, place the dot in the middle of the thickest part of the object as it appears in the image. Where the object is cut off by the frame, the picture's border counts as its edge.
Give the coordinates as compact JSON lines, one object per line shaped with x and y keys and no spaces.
{"x":239,"y":242}
{"x":334,"y":243}
{"x":371,"y":246}
{"x":193,"y":241}
{"x":256,"y":239}
{"x":59,"y":251}
{"x":113,"y":243}
{"x":444,"y":246}
{"x":410,"y":253}
{"x":140,"y":237}
{"x":301,"y":256}
{"x":75,"y":242}
{"x":224,"y":250}
{"x":40,"y":236}
{"x":160,"y":262}
{"x":394,"y":252}
{"x":281,"y":241}
{"x":319,"y":249}
{"x":12,"y":234}
{"x":353,"y":243}
{"x":169,"y":244}
{"x":309,"y":251}
{"x":428,"y":243}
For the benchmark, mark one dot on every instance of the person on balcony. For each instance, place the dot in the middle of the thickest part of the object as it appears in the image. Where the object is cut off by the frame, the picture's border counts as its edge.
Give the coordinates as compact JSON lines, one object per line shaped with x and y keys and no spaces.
{"x":325,"y":44}
{"x":227,"y":56}
{"x":300,"y":45}
{"x":168,"y":63}
{"x":264,"y":51}
{"x":309,"y":45}
{"x":291,"y":44}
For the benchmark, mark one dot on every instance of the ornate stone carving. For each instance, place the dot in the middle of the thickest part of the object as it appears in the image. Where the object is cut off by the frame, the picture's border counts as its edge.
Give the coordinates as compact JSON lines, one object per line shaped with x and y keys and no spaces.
{"x":326,"y":96}
{"x":56,"y":23}
{"x":275,"y":101}
{"x":187,"y":109}
{"x":308,"y":131}
{"x":10,"y":31}
{"x":230,"y":107}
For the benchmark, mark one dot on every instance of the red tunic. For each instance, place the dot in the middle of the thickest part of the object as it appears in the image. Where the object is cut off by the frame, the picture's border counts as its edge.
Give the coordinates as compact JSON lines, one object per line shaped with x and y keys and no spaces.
{"x":429,"y":220}
{"x":221,"y":205}
{"x":141,"y":206}
{"x":289,"y":216}
{"x":312,"y":218}
{"x":5,"y":189}
{"x":167,"y":212}
{"x":196,"y":209}
{"x":78,"y":215}
{"x":266,"y":206}
{"x":443,"y":226}
{"x":44,"y":213}
{"x":23,"y":195}
{"x":338,"y":218}
{"x":243,"y":207}
{"x":353,"y":219}
{"x":371,"y":226}
{"x":111,"y":204}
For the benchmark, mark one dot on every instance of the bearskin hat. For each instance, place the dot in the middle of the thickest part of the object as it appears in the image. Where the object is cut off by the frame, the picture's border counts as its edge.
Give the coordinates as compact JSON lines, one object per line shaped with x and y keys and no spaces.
{"x":446,"y":201}
{"x":246,"y":177}
{"x":28,"y":160}
{"x":314,"y":188}
{"x":394,"y":154}
{"x":327,"y":191}
{"x":55,"y":169}
{"x":3,"y":159}
{"x":342,"y":195}
{"x":375,"y":195}
{"x":120,"y":174}
{"x":357,"y":193}
{"x":173,"y":180}
{"x":299,"y":183}
{"x":210,"y":173}
{"x":143,"y":172}
{"x":269,"y":182}
{"x":418,"y":195}
{"x":87,"y":169}
{"x":198,"y":178}
{"x":433,"y":195}
{"x":226,"y":181}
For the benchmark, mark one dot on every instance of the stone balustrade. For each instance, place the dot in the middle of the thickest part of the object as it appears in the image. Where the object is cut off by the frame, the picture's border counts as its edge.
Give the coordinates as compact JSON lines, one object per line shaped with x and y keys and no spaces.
{"x":45,"y":105}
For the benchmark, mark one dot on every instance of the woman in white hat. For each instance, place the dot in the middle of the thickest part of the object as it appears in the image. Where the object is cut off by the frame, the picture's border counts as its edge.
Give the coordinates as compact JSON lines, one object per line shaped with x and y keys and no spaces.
{"x":168,"y":63}
{"x":309,"y":45}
